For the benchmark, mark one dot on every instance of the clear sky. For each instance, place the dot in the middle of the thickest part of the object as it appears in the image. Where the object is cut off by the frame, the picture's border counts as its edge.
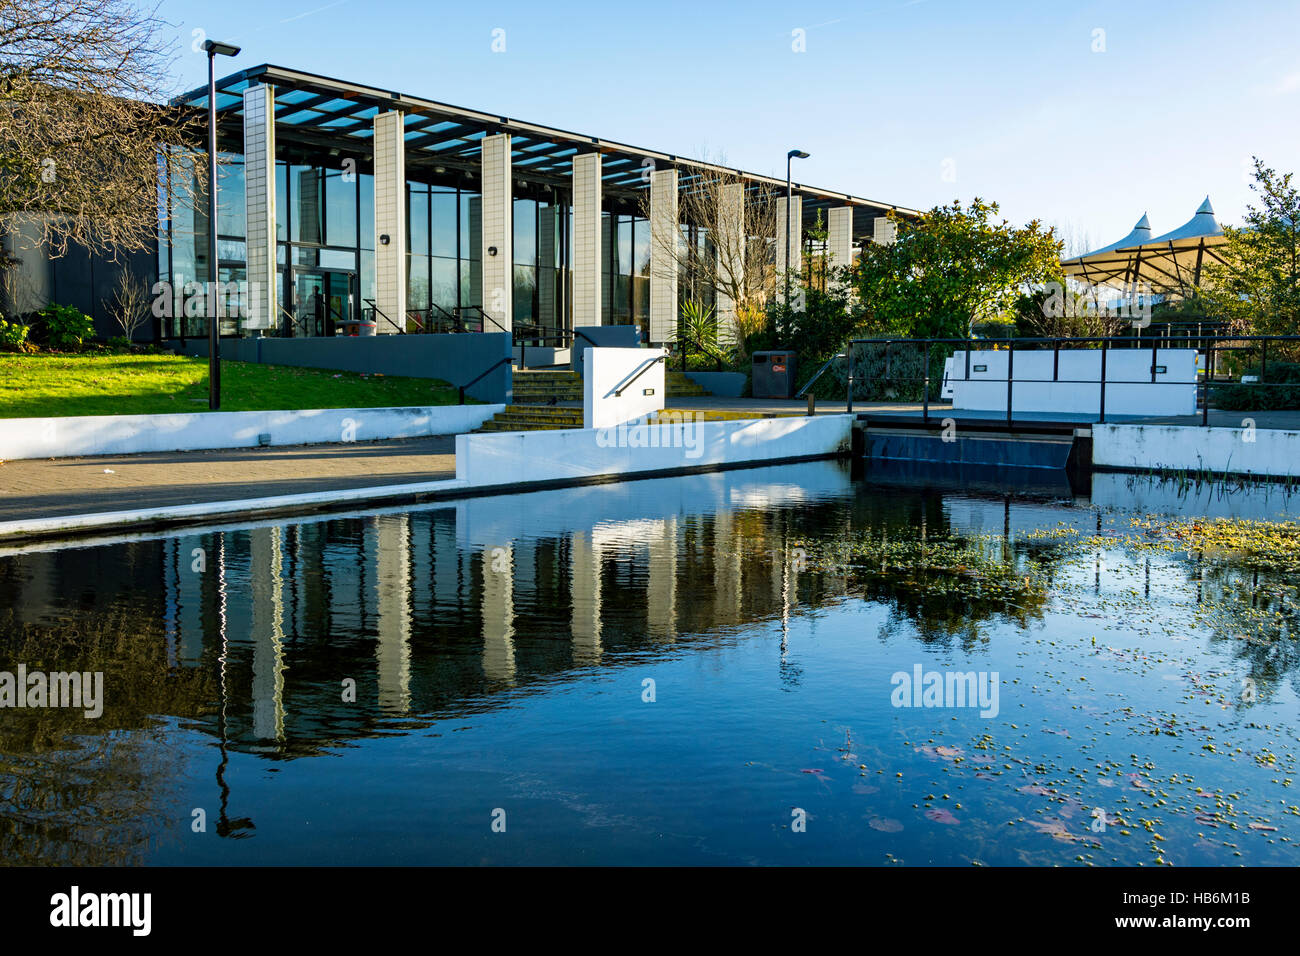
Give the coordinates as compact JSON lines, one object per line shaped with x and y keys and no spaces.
{"x":1084,"y":115}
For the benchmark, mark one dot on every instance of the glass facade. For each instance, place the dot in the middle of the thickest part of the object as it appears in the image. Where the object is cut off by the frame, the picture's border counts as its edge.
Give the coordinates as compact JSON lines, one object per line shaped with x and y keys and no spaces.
{"x":326,"y":254}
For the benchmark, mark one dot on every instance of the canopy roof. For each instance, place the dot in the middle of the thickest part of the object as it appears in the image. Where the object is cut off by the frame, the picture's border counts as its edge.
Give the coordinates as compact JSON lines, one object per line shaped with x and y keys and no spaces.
{"x":1168,"y":263}
{"x":327,"y":116}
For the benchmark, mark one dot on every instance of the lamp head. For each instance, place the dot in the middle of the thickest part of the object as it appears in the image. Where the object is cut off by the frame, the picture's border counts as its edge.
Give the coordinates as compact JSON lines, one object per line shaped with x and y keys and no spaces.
{"x":797,"y":154}
{"x":217,"y":48}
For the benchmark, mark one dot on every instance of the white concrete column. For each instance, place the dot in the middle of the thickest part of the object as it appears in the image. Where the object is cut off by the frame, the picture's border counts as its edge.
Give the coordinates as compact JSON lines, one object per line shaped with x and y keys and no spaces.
{"x":498,"y":612}
{"x":796,"y":236}
{"x":498,"y":232}
{"x":584,"y":572}
{"x":665,"y":237}
{"x":390,"y":221}
{"x":586,"y":240}
{"x":839,"y":237}
{"x":729,"y":242}
{"x":661,"y":586}
{"x":266,"y":590}
{"x":259,"y":207}
{"x":391,"y":543}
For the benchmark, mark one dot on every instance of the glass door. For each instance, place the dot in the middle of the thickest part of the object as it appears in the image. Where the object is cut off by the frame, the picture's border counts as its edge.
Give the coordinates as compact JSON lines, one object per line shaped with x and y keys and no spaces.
{"x":323,"y":303}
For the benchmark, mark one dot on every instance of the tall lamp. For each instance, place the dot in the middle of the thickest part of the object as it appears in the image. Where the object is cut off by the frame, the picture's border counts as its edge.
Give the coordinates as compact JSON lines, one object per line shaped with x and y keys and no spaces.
{"x":213,"y":48}
{"x":789,"y":201}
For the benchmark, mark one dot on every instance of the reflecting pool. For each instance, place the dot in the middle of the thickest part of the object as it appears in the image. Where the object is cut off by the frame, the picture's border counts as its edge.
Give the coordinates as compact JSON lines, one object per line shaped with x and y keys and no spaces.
{"x":782,"y":665}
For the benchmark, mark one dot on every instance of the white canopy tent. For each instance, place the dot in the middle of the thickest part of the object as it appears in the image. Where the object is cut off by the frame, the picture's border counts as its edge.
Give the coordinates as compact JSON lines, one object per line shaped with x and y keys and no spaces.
{"x":1171,"y":263}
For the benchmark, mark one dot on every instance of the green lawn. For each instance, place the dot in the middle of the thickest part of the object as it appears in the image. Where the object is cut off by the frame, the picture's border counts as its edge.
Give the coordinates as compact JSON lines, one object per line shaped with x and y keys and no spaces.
{"x":39,"y":386}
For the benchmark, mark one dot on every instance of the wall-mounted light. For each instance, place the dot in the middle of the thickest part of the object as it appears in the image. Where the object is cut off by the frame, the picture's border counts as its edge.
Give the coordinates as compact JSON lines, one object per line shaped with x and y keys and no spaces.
{"x":383,"y":240}
{"x":492,"y":250}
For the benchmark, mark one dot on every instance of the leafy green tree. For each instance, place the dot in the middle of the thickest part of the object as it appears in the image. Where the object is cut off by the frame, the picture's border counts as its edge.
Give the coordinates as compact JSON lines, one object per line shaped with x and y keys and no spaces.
{"x":952,"y":269}
{"x":1258,"y":285}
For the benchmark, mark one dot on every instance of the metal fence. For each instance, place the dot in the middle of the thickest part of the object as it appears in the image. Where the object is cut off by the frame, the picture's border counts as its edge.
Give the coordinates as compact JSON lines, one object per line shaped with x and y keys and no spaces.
{"x":1229,"y":367}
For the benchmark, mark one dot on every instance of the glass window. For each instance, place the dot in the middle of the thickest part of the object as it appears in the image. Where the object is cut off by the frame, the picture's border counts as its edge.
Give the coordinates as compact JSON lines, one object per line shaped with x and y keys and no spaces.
{"x":624,"y":260}
{"x":468,"y":249}
{"x":641,"y":247}
{"x":340,"y":208}
{"x":417,"y":282}
{"x":282,"y":202}
{"x":307,"y":195}
{"x":417,"y":217}
{"x":525,"y":232}
{"x":230,"y":195}
{"x":443,"y":291}
{"x":366,"y":182}
{"x":525,"y":294}
{"x":442,"y":224}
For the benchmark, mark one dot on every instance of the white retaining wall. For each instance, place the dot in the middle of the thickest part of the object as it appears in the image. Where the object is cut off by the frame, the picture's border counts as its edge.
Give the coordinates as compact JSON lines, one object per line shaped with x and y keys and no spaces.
{"x":581,"y":453}
{"x":609,"y":369}
{"x":133,"y":434}
{"x":1076,"y":388}
{"x":1237,"y":450}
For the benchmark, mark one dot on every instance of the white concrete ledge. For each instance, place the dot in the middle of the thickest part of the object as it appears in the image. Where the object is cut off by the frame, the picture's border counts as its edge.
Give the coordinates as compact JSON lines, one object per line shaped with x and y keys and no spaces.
{"x":1227,"y":451}
{"x":196,"y":431}
{"x":575,"y":454}
{"x":510,"y":462}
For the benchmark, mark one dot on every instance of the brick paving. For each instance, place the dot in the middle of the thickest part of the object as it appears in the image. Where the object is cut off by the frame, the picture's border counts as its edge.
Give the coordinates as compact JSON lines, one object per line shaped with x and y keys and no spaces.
{"x":47,"y":488}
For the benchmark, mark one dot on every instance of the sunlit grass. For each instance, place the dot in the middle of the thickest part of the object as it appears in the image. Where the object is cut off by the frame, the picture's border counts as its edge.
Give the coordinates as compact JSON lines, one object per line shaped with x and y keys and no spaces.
{"x":40,"y":386}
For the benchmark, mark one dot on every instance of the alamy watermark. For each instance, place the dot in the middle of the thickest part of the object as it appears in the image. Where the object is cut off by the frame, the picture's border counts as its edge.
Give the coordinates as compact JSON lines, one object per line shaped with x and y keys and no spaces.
{"x":922,"y":688}
{"x":666,"y":430}
{"x":1099,"y":301}
{"x":79,"y":690}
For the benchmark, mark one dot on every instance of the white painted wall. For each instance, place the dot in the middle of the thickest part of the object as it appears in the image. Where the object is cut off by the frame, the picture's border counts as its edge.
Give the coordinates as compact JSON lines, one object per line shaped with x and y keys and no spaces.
{"x":133,"y":434}
{"x":1077,"y":389}
{"x":605,"y":370}
{"x":578,"y":453}
{"x":1240,"y":450}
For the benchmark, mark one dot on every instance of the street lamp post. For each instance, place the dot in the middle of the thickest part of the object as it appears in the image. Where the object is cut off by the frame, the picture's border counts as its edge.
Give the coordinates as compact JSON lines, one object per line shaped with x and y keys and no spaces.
{"x":214,"y":339}
{"x":789,"y":200}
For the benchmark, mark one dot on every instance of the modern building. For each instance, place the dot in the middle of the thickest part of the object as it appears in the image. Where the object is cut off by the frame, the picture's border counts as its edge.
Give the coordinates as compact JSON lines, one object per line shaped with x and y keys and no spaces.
{"x":342,"y":205}
{"x":346,"y":209}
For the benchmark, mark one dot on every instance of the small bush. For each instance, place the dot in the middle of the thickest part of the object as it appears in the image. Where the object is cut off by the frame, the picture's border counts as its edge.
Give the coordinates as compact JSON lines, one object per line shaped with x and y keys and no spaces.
{"x":64,"y":326}
{"x":13,"y":337}
{"x":1280,"y":390}
{"x":120,"y":342}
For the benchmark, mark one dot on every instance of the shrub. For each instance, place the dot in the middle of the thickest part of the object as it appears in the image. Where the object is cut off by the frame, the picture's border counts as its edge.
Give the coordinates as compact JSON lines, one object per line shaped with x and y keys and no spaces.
{"x":120,"y":342}
{"x":1281,"y":390}
{"x":64,"y":326}
{"x":13,"y":337}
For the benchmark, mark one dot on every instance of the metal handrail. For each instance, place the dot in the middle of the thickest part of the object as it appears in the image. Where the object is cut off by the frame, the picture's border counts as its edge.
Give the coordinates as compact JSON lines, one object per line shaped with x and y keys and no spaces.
{"x":813,"y":381}
{"x":378,"y":311}
{"x":491,"y":368}
{"x":618,"y":392}
{"x":479,"y":309}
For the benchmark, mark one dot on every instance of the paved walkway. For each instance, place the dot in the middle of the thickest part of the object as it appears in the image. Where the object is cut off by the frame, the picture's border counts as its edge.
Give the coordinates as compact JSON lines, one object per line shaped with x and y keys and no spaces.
{"x":47,"y":488}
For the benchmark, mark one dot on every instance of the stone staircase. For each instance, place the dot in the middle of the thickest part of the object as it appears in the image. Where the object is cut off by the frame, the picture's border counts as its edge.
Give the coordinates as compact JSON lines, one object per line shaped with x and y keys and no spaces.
{"x":539,"y":392}
{"x":526,"y":418}
{"x":542,"y":386}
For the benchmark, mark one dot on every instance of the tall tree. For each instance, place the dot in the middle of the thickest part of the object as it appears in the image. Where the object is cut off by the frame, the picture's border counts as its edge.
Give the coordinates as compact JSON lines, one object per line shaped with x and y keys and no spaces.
{"x":952,"y":269}
{"x":83,"y":122}
{"x":1258,"y":285}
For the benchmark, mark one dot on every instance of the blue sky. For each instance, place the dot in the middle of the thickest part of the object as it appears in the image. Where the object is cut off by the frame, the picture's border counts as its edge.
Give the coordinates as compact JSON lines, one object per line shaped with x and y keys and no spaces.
{"x":913,"y":103}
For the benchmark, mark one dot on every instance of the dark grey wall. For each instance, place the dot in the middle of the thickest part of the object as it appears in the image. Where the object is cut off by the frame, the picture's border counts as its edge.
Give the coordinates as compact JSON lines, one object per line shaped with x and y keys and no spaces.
{"x":452,"y":358}
{"x":78,"y":278}
{"x":605,"y":337}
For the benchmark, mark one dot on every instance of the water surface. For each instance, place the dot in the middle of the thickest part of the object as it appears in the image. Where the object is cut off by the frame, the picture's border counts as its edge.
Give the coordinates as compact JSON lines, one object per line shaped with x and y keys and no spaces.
{"x":691,"y":670}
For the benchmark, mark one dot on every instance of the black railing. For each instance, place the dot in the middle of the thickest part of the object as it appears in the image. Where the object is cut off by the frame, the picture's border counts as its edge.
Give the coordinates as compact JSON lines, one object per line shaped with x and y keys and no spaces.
{"x":1227,"y":364}
{"x":504,"y":360}
{"x":618,"y":392}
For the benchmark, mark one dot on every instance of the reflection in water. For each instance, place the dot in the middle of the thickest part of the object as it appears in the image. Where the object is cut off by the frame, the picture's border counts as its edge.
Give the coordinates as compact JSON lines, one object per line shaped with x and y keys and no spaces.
{"x":481,"y":638}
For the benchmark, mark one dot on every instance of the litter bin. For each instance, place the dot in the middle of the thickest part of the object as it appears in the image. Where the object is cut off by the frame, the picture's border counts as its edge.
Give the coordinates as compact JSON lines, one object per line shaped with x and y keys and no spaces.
{"x":773,"y":374}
